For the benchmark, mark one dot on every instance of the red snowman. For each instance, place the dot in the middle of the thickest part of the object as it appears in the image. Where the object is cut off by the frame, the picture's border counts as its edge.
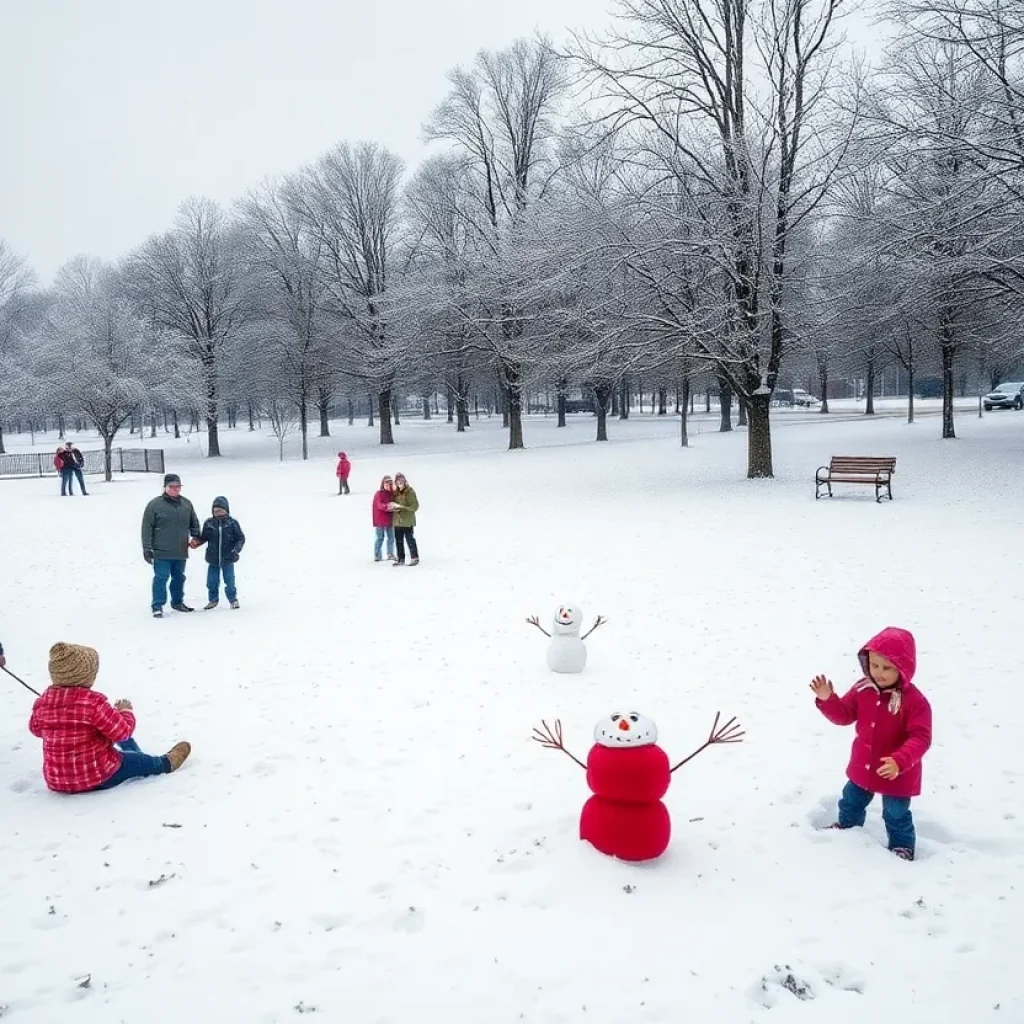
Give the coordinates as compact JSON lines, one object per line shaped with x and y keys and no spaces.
{"x":628,"y":773}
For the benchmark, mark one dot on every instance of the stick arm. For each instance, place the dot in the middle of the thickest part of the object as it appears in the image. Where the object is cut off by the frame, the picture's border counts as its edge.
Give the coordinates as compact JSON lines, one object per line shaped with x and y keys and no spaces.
{"x":552,"y":739}
{"x":728,"y":733}
{"x":534,"y":621}
{"x":599,"y":621}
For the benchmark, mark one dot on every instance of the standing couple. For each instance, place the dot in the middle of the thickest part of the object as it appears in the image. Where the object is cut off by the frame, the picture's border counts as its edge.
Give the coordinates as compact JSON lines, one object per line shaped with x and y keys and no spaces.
{"x":69,"y":462}
{"x":394,"y":519}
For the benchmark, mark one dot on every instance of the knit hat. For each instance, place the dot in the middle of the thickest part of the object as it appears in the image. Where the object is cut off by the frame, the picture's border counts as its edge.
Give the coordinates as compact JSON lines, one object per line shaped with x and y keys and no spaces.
{"x":73,"y":665}
{"x":221,"y":502}
{"x":171,"y":478}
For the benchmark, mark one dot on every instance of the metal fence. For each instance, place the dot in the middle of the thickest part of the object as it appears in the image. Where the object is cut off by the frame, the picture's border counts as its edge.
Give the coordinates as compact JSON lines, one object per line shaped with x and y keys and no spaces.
{"x":122,"y":460}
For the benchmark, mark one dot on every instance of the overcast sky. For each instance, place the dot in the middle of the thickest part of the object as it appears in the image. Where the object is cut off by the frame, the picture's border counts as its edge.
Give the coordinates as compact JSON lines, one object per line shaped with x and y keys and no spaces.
{"x":116,"y":110}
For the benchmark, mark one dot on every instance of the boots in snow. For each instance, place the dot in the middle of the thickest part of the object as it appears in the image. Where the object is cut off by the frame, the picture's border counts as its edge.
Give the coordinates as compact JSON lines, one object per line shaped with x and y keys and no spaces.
{"x":182,"y":608}
{"x":177,"y":754}
{"x":211,"y":605}
{"x":235,"y":605}
{"x":158,"y":613}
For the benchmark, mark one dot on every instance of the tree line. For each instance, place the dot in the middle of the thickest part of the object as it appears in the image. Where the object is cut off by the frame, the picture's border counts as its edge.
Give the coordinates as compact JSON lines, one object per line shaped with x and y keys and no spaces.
{"x":712,"y":192}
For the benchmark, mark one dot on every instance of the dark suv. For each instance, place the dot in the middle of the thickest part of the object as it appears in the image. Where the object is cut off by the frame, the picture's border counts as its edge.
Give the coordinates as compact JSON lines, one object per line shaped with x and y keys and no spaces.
{"x":1006,"y":396}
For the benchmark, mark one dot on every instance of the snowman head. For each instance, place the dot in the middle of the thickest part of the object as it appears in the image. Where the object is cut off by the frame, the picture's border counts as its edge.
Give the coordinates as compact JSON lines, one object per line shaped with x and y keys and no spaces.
{"x":625,"y":729}
{"x":568,"y":619}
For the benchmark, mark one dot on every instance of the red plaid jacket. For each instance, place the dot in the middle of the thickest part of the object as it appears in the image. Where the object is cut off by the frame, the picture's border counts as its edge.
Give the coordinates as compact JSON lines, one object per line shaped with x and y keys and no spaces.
{"x":79,"y":728}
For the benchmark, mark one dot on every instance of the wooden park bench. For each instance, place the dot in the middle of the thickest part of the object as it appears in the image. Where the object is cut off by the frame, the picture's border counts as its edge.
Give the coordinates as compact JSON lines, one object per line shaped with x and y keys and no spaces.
{"x":856,"y":469}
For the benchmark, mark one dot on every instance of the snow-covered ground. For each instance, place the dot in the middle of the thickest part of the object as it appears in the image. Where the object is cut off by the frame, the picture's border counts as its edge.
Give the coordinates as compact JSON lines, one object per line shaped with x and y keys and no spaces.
{"x":365,"y":830}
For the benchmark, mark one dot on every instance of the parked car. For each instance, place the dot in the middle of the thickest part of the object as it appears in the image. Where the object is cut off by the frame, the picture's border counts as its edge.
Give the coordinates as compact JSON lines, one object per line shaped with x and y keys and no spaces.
{"x":1007,"y":396}
{"x":804,"y":398}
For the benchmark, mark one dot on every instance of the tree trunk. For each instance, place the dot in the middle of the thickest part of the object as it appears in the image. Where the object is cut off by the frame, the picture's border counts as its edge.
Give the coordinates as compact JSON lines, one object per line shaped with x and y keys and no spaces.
{"x":741,"y":419}
{"x":369,"y":405}
{"x":562,"y":387}
{"x":823,"y":368}
{"x":323,"y":405}
{"x":60,"y":427}
{"x":725,"y":404}
{"x":426,"y":407}
{"x":602,"y":396}
{"x":304,"y":424}
{"x":108,"y":444}
{"x":869,"y":407}
{"x":684,"y":437}
{"x":759,"y":438}
{"x":212,"y":396}
{"x":948,"y":389}
{"x":3,"y":450}
{"x":707,"y":400}
{"x":450,"y":396}
{"x":177,"y":426}
{"x":662,"y":401}
{"x":351,"y":411}
{"x":514,"y":404}
{"x":396,"y":412}
{"x":624,"y":398}
{"x":384,"y":411}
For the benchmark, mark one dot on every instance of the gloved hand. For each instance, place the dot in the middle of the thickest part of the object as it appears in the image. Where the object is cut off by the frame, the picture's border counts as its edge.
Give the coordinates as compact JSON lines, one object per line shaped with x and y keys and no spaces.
{"x":148,"y":556}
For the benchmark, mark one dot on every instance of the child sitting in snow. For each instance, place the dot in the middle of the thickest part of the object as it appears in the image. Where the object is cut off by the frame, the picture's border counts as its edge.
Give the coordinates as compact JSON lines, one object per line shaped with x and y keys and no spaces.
{"x":224,"y":540}
{"x":894,"y":730}
{"x":87,"y":742}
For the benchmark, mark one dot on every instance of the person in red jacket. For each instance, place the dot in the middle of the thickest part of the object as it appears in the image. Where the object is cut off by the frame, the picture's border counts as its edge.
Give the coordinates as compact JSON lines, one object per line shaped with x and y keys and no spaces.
{"x":342,"y":472}
{"x":382,"y":520}
{"x":87,"y":742}
{"x":893,"y":732}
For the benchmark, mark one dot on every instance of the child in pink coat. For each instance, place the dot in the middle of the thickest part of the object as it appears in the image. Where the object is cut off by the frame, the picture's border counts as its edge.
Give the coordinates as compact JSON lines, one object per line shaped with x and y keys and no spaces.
{"x":383,"y":518}
{"x":893,"y":722}
{"x":342,"y":472}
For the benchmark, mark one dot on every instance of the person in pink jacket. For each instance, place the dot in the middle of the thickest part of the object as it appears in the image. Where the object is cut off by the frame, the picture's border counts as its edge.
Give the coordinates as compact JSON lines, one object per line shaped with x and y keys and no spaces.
{"x":342,"y":472}
{"x":382,"y":520}
{"x":893,"y":722}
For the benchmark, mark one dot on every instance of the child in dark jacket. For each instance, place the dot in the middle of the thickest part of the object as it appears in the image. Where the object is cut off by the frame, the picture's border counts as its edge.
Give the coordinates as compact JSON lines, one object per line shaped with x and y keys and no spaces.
{"x":893,"y":732}
{"x":88,"y":742}
{"x":224,"y":540}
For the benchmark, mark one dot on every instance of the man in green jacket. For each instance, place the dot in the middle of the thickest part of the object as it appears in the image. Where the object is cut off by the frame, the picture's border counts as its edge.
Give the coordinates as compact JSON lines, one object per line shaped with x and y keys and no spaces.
{"x":169,"y":525}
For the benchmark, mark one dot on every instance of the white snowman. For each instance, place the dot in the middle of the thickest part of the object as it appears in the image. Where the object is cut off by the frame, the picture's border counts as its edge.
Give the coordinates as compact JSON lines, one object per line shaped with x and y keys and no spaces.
{"x":567,"y":652}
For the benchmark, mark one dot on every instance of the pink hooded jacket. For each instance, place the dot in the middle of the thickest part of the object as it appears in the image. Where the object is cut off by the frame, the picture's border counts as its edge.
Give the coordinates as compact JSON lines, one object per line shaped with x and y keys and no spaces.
{"x":895,"y":723}
{"x":381,"y":516}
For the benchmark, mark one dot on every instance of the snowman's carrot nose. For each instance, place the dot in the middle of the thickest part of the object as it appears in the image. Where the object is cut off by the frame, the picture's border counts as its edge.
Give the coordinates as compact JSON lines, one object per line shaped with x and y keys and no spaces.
{"x":623,"y":725}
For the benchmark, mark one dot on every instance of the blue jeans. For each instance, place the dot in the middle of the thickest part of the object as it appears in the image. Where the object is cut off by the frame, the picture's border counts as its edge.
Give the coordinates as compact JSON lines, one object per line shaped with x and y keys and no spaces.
{"x":135,"y":765}
{"x":899,"y":822}
{"x":213,"y":574}
{"x":165,"y":569}
{"x":382,"y":532}
{"x":67,"y":482}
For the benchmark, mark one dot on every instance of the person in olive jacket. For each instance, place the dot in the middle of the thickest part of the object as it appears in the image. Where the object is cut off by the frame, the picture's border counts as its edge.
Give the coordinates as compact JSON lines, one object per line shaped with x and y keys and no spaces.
{"x":224,"y":541}
{"x":167,"y":526}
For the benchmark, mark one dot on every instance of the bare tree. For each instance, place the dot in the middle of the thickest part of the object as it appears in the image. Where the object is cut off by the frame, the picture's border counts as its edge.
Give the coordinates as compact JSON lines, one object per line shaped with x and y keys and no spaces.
{"x":284,"y":259}
{"x":16,"y":283}
{"x":349,"y":202}
{"x":189,"y":281}
{"x":499,"y":115}
{"x":734,"y":90}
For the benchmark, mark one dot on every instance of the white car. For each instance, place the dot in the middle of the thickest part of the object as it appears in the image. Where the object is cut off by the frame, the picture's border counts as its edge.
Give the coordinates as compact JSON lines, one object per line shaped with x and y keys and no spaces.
{"x":1007,"y":396}
{"x":804,"y":398}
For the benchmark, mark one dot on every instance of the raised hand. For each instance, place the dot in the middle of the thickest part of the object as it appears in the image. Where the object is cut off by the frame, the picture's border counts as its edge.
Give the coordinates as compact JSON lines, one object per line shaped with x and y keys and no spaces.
{"x":552,"y":739}
{"x":822,"y":688}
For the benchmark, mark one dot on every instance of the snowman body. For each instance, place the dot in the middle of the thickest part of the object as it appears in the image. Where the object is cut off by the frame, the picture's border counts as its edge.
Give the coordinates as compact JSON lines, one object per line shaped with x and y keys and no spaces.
{"x":628,"y":774}
{"x":567,"y":652}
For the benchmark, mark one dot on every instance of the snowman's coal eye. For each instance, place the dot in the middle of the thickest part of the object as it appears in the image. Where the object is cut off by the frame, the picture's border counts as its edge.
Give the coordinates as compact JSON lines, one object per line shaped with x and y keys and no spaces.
{"x":634,"y":717}
{"x":615,"y":718}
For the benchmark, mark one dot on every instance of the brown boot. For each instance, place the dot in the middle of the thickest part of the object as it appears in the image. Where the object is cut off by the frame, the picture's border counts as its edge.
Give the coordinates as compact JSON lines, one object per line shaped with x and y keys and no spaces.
{"x":177,"y":754}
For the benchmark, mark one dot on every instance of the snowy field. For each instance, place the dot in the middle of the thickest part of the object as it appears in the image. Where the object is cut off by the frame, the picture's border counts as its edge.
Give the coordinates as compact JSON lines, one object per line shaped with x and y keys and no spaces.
{"x":365,"y":831}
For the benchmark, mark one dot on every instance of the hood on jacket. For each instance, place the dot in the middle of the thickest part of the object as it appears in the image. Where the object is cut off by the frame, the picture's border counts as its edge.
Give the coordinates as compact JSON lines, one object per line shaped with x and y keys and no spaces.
{"x":221,"y":502}
{"x":898,"y":646}
{"x":386,"y":479}
{"x":342,"y":455}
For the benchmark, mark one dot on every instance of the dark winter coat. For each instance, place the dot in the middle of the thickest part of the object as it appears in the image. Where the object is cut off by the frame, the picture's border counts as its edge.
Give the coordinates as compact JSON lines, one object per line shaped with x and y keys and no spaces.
{"x":222,"y":536}
{"x":167,"y":525}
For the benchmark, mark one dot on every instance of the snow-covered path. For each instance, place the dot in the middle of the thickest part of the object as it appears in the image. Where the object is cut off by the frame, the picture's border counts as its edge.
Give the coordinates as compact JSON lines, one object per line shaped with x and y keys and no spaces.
{"x":365,"y":830}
